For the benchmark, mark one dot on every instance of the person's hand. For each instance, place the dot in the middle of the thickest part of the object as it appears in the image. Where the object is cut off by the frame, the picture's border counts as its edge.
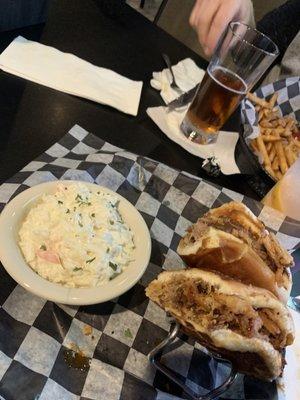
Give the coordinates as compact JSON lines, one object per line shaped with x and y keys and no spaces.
{"x":210,"y":17}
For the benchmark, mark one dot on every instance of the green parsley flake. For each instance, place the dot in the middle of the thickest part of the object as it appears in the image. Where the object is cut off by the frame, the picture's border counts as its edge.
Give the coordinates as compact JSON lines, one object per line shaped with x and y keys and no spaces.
{"x":79,"y":199}
{"x":60,"y":202}
{"x":113,"y":266}
{"x":43,"y":247}
{"x":68,"y":211}
{"x":114,"y":275}
{"x":77,"y":269}
{"x":93,"y":215}
{"x":91,"y":260}
{"x":128,"y":334}
{"x":80,"y":224}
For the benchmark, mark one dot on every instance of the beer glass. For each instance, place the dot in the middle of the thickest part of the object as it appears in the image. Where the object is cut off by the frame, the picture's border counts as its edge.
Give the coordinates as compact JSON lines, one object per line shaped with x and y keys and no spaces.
{"x":241,"y":57}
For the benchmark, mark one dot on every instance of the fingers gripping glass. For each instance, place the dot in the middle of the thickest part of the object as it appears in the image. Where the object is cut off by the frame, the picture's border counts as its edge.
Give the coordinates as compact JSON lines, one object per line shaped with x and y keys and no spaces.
{"x":241,"y":57}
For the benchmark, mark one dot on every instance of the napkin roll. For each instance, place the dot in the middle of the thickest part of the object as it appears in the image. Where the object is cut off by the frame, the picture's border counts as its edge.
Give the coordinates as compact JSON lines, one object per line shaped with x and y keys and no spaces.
{"x":70,"y":74}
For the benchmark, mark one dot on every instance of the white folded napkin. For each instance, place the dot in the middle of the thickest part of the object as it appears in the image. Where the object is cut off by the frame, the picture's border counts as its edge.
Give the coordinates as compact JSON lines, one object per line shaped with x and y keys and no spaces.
{"x":187,"y":75}
{"x":222,"y":150}
{"x":70,"y":74}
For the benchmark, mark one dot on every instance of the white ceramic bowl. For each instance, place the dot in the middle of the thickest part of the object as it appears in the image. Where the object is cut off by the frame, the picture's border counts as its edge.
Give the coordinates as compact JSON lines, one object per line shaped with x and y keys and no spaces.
{"x":12,"y":259}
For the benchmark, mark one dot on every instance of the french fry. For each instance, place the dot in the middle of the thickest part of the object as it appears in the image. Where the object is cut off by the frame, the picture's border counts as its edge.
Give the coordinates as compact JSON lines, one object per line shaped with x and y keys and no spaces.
{"x":272,"y":115}
{"x":274,"y":123}
{"x":281,"y":157}
{"x":272,"y":153}
{"x":269,"y":169}
{"x":278,"y":175}
{"x":265,"y":131}
{"x":278,"y":130}
{"x":273,"y":100}
{"x":271,"y":138}
{"x":275,"y":164}
{"x":286,"y":132}
{"x":253,"y":144}
{"x":290,"y":123}
{"x":295,"y":154}
{"x":263,"y":151}
{"x":276,"y":143}
{"x":297,"y":143}
{"x":258,"y":100}
{"x":282,"y":122}
{"x":268,"y":147}
{"x":289,"y":155}
{"x":260,"y":115}
{"x":266,"y":124}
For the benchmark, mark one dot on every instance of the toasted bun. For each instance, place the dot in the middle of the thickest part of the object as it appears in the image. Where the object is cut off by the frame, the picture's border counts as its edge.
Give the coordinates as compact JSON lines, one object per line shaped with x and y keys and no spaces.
{"x":260,"y":357}
{"x":231,"y":240}
{"x":248,"y":356}
{"x":220,"y":251}
{"x":241,"y":214}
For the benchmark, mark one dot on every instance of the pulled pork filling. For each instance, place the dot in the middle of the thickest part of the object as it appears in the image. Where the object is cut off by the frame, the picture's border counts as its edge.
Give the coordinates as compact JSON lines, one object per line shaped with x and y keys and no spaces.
{"x":202,"y":304}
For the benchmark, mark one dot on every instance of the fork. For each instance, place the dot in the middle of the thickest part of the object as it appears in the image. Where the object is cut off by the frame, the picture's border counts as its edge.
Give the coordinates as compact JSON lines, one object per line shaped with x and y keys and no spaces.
{"x":173,"y":83}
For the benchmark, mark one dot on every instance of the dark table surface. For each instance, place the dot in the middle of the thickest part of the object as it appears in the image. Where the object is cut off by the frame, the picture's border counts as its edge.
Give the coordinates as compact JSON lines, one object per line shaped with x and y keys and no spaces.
{"x":33,"y":117}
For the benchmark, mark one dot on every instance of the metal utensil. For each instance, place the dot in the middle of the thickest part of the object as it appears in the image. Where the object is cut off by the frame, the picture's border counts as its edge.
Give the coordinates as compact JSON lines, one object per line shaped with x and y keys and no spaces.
{"x":212,"y":394}
{"x":173,"y":83}
{"x":182,"y":100}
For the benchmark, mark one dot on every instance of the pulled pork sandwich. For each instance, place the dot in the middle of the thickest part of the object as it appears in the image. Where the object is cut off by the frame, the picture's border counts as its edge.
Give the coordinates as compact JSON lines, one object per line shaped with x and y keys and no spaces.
{"x":248,"y":326}
{"x":232,"y":241}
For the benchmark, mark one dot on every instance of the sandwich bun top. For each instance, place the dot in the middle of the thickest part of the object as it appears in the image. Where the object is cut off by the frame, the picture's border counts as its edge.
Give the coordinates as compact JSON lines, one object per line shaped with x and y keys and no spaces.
{"x":220,"y":251}
{"x":238,"y":213}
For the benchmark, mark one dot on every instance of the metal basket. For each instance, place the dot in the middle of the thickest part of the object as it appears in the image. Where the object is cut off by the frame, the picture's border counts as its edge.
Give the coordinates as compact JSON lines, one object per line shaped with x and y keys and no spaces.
{"x":154,"y":357}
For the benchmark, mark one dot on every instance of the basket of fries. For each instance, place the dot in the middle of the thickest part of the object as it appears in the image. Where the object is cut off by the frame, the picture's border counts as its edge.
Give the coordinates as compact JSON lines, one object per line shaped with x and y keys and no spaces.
{"x":271,"y":119}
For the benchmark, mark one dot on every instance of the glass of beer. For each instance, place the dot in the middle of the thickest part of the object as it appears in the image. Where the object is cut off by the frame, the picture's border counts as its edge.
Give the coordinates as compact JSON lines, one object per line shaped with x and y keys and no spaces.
{"x":241,"y":57}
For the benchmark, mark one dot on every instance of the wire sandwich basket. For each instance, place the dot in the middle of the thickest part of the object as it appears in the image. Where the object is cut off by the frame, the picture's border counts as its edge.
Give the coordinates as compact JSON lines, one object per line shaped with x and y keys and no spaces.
{"x":155,"y":359}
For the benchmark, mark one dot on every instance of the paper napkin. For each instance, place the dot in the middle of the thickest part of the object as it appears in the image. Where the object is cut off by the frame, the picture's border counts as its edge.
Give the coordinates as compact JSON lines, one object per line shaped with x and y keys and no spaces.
{"x":70,"y":74}
{"x":222,"y":149}
{"x":187,"y":75}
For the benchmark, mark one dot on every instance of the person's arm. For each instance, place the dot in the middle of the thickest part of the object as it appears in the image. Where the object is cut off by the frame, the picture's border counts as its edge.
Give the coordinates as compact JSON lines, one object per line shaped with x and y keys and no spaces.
{"x":282,"y":24}
{"x":209,"y":18}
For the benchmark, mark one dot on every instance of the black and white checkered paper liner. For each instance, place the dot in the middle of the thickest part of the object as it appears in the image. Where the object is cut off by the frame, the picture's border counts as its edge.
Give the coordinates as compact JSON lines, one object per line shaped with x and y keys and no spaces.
{"x":288,"y":103}
{"x":35,"y":333}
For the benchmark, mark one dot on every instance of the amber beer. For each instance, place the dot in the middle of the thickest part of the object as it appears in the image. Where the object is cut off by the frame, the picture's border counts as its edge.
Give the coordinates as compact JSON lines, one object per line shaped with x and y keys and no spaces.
{"x":219,"y":94}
